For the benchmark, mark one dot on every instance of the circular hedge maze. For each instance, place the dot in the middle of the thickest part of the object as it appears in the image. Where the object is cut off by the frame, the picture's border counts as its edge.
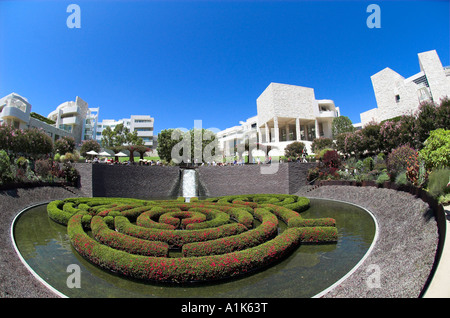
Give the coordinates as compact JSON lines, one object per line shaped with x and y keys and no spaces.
{"x":173,"y":241}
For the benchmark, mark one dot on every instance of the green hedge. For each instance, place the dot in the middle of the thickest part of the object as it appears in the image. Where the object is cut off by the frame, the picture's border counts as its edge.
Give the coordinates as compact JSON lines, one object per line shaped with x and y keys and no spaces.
{"x":174,"y":237}
{"x":104,"y":235}
{"x":219,"y":237}
{"x":259,"y":235}
{"x":181,"y":270}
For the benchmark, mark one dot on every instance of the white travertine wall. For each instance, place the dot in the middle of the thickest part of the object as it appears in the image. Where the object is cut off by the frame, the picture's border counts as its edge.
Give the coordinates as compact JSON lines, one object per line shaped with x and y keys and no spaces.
{"x":439,"y":83}
{"x":398,"y":96}
{"x":388,"y":84}
{"x":283,"y":100}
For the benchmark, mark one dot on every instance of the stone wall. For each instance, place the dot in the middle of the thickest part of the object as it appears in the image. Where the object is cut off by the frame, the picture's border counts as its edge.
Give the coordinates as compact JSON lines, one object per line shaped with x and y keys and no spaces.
{"x":141,"y":182}
{"x":157,"y":182}
{"x":285,"y":178}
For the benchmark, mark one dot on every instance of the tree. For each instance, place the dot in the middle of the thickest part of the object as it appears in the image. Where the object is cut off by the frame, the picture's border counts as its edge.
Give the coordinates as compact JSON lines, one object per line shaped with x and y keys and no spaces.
{"x":294,"y":149}
{"x":187,"y":145}
{"x":341,"y":124}
{"x":372,"y":141}
{"x":64,"y":145}
{"x":108,"y":137}
{"x":436,"y":153}
{"x":321,"y":143}
{"x":166,"y":144}
{"x":121,"y":137}
{"x":88,"y":145}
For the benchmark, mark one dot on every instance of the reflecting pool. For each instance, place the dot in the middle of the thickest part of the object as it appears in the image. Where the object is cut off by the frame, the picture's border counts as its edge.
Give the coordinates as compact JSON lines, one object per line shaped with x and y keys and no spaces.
{"x":310,"y":269}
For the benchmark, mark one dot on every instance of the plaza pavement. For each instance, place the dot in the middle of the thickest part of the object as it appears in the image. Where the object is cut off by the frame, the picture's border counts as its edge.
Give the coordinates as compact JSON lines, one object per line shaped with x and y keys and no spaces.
{"x":440,"y":283}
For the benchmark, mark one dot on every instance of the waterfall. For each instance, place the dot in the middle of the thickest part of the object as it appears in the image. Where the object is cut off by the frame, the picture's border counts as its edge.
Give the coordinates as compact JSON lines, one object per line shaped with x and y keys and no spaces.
{"x":189,"y":185}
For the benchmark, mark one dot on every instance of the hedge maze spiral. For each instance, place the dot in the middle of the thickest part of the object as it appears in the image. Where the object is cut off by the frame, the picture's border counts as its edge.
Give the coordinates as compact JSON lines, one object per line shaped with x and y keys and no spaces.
{"x":213,"y":239}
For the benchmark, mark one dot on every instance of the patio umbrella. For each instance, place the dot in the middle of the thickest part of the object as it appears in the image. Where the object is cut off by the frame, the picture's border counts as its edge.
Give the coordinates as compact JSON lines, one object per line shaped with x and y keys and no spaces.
{"x":105,"y":154}
{"x":92,"y":152}
{"x":119,"y":154}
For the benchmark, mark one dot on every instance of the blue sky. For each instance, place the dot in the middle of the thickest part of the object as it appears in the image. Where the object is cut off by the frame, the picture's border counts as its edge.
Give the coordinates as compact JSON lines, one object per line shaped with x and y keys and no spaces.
{"x":181,"y":61}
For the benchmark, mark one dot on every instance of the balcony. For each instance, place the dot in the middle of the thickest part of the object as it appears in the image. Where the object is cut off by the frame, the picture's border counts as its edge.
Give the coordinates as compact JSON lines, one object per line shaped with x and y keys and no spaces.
{"x":327,"y":114}
{"x":70,"y":110}
{"x":70,"y":121}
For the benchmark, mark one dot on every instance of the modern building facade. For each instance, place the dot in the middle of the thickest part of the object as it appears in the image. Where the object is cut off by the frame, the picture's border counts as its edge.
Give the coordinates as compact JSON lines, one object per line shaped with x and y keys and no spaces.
{"x":15,"y":110}
{"x":76,"y":118}
{"x":396,"y":95}
{"x":285,"y":113}
{"x":142,"y":124}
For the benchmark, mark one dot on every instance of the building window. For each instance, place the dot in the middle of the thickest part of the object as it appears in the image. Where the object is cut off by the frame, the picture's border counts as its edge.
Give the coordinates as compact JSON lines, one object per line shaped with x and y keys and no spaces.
{"x":423,"y":94}
{"x":397,"y":98}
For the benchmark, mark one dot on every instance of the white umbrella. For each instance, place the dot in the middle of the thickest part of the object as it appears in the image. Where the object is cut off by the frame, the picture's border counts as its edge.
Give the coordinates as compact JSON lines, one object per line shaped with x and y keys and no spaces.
{"x":92,"y":152}
{"x":104,"y":153}
{"x":120,"y":154}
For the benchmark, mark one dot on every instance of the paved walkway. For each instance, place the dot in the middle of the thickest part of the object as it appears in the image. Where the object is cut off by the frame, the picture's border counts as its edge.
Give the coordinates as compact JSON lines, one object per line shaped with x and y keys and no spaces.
{"x":440,"y":283}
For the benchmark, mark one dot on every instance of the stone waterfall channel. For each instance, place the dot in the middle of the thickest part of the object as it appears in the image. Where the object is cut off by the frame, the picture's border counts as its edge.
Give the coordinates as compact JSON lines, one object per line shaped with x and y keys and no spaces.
{"x":189,"y":186}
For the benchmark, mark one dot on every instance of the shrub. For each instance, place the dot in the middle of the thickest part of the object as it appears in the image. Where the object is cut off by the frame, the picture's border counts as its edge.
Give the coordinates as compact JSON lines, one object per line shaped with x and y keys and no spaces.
{"x":64,"y":145}
{"x":436,"y":151}
{"x":368,"y":164}
{"x":401,"y":178}
{"x":294,"y":149}
{"x":398,"y":159}
{"x":42,"y":167}
{"x":6,"y":174}
{"x":382,"y":178}
{"x":438,"y":182}
{"x":88,"y":145}
{"x":354,"y":144}
{"x":71,"y":174}
{"x":371,"y":138}
{"x":208,"y":254}
{"x":321,"y":143}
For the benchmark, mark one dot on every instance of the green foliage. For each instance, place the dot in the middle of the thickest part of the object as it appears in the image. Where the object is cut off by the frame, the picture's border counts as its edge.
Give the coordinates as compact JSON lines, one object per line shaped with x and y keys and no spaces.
{"x":321,"y":143}
{"x":382,"y":178}
{"x":64,"y":145}
{"x":5,"y":167}
{"x":368,"y":164}
{"x":438,"y":182}
{"x":42,"y":118}
{"x":71,"y":174}
{"x":371,"y":138}
{"x":436,"y":153}
{"x":216,"y":252}
{"x":294,"y":149}
{"x":89,"y":145}
{"x":119,"y":136}
{"x":399,"y":158}
{"x":183,"y":147}
{"x":401,"y":178}
{"x":341,"y":124}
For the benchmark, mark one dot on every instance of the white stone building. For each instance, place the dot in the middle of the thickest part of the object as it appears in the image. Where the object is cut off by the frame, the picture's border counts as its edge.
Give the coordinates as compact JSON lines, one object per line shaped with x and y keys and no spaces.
{"x":76,"y":118}
{"x":143,"y":124}
{"x":285,"y":113}
{"x":15,"y":110}
{"x":396,"y":95}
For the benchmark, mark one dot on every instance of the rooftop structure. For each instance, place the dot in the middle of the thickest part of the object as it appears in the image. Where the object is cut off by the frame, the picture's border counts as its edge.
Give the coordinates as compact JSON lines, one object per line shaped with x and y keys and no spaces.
{"x":396,"y":95}
{"x":143,"y":124}
{"x":15,"y":110}
{"x":76,"y":118}
{"x":285,"y":113}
